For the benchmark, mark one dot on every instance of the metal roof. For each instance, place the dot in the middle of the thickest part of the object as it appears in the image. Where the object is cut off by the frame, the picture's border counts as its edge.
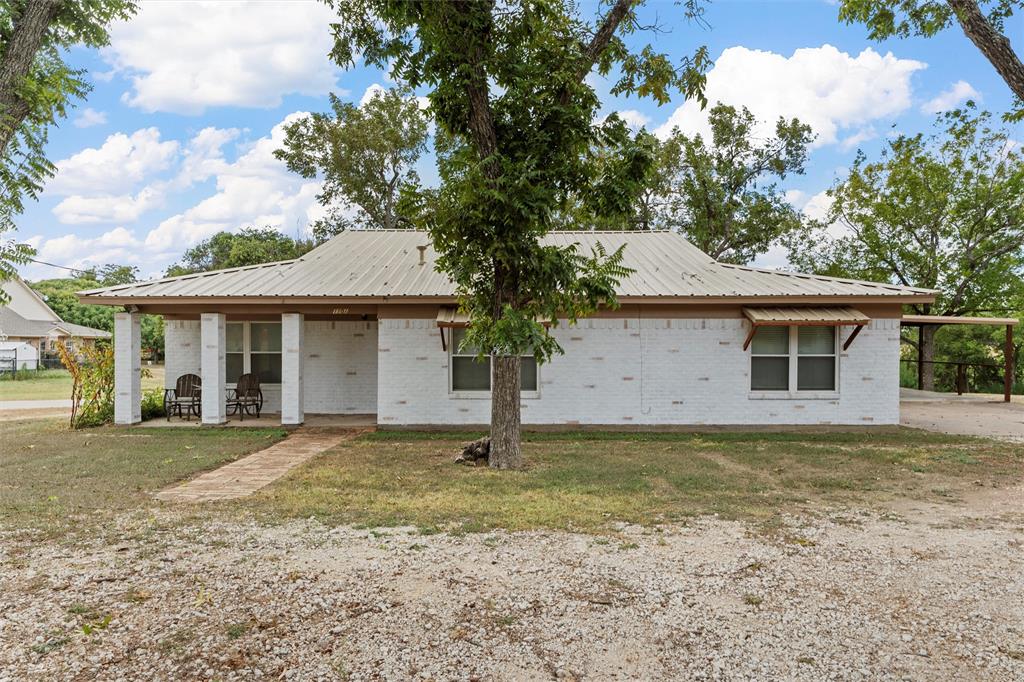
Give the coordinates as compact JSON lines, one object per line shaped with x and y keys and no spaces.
{"x":386,"y":264}
{"x":806,"y":316}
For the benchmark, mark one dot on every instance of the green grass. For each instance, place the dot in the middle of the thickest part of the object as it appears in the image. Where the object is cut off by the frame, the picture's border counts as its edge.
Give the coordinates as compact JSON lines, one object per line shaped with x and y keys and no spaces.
{"x":53,"y":478}
{"x":55,"y":384}
{"x":584,"y":481}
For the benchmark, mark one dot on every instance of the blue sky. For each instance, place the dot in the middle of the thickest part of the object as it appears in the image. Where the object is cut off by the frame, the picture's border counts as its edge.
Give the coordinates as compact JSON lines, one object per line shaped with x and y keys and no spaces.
{"x":175,"y":142}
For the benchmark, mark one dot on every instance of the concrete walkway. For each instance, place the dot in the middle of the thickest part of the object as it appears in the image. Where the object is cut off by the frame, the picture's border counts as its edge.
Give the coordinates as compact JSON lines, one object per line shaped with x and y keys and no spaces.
{"x":249,"y":474}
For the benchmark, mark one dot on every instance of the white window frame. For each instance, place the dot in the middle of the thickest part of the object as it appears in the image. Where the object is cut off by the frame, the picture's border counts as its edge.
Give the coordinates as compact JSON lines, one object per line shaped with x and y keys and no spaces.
{"x":247,"y":351}
{"x":792,"y":393}
{"x":479,"y":394}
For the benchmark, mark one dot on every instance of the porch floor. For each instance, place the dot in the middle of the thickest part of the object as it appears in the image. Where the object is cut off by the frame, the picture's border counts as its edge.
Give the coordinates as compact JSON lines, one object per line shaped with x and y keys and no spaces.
{"x":273,"y":419}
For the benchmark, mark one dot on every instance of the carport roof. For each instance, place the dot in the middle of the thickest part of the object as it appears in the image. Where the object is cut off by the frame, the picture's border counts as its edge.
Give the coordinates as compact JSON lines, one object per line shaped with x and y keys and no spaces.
{"x":381,"y":265}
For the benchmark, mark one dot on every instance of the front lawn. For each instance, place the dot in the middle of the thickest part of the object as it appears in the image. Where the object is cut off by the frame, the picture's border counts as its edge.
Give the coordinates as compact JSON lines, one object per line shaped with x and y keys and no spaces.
{"x":54,"y":478}
{"x":585,"y":481}
{"x":55,"y":384}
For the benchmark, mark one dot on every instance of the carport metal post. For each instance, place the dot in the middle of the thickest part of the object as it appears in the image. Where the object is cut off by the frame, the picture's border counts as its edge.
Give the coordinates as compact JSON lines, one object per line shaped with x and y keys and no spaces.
{"x":920,"y":358}
{"x":1008,"y":352}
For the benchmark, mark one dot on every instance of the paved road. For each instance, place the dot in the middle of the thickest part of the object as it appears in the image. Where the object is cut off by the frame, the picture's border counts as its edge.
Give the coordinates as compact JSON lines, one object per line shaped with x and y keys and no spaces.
{"x":34,"y":404}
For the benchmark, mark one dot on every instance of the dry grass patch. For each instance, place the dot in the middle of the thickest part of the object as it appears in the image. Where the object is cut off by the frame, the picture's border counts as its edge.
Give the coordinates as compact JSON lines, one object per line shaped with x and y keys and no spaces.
{"x":584,"y":481}
{"x":53,"y":478}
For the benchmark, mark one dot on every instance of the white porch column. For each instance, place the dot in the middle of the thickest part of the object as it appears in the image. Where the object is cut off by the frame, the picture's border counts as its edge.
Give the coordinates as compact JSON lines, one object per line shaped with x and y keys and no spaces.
{"x":127,"y":368}
{"x":292,"y":351}
{"x":213,"y":368}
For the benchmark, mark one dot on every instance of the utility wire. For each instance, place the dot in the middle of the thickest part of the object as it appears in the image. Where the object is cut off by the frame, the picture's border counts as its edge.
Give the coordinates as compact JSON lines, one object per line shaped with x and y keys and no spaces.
{"x":54,"y":265}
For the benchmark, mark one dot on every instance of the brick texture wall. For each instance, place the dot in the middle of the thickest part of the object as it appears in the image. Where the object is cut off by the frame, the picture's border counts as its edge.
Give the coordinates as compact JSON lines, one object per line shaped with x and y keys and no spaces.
{"x":340,"y":365}
{"x":630,"y":371}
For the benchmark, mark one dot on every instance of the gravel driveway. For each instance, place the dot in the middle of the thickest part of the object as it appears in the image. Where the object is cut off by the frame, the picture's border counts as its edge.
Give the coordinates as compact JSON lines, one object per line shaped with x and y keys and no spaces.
{"x":934,"y":592}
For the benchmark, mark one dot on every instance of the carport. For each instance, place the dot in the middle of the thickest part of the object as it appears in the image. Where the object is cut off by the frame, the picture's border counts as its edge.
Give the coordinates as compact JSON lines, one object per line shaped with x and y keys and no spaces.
{"x":922,"y":321}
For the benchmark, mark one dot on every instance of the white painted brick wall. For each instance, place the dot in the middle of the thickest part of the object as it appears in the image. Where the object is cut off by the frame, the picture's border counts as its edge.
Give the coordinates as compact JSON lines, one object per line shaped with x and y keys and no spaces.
{"x":340,"y":365}
{"x":127,"y":368}
{"x":629,"y":371}
{"x":292,"y":368}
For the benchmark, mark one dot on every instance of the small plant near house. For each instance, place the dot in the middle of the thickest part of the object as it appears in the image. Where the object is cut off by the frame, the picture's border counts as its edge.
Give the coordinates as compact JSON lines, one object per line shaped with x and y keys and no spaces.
{"x":153,"y":403}
{"x":92,"y":388}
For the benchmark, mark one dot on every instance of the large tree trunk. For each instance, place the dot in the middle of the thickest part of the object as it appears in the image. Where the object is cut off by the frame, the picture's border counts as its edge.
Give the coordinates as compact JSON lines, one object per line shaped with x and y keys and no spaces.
{"x":993,"y":44}
{"x":927,"y":351}
{"x":19,"y":55}
{"x":506,"y":452}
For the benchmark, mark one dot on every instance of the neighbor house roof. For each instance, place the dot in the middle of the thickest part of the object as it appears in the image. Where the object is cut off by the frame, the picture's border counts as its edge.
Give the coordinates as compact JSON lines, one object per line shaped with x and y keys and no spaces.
{"x":381,"y":265}
{"x":14,"y":325}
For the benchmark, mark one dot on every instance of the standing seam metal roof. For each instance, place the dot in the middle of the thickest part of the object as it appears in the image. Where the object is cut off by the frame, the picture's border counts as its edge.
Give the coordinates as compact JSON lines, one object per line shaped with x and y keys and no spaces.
{"x":386,"y":264}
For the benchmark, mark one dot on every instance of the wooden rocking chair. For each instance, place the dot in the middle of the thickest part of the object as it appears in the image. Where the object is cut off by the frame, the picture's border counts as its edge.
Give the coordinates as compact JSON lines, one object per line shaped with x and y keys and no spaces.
{"x":184,"y":398}
{"x":246,"y":397}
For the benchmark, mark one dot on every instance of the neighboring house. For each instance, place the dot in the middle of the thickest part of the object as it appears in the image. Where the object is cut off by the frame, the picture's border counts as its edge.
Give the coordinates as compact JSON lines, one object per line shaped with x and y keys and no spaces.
{"x":364,"y":324}
{"x":26,"y":318}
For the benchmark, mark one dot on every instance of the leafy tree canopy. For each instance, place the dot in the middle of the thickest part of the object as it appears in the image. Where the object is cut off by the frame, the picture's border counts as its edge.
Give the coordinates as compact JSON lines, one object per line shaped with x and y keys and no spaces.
{"x":366,"y":157}
{"x":507,"y":88}
{"x":250,"y":246}
{"x":944,"y":212}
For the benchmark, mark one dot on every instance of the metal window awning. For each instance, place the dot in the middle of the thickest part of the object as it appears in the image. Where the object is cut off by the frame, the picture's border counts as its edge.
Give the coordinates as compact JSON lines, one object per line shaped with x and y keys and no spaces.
{"x":449,"y":318}
{"x":836,"y":316}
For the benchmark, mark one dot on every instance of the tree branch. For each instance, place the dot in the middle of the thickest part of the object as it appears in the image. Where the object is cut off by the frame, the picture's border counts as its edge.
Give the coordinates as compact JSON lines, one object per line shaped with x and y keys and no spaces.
{"x":17,"y":60}
{"x":993,"y":44}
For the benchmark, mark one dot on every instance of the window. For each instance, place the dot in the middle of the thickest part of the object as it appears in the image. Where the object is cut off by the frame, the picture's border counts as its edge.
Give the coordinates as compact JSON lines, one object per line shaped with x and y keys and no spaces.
{"x":793,"y":359}
{"x":253,"y":347}
{"x":470,"y":373}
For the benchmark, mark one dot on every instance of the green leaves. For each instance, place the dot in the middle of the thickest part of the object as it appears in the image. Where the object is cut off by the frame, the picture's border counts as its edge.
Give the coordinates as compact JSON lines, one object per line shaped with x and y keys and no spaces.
{"x":944,"y":212}
{"x":366,"y":157}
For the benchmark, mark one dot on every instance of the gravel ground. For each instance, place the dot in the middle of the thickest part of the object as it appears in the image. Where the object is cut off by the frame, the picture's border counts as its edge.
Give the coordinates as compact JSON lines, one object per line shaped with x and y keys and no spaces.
{"x":927,"y":593}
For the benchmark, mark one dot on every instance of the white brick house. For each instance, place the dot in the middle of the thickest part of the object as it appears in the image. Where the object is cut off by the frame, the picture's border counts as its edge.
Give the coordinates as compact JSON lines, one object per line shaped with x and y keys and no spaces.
{"x":365,"y":325}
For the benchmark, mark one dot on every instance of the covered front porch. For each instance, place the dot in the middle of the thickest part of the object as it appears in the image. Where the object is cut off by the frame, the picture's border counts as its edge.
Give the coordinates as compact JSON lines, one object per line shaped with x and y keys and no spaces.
{"x":317,"y":369}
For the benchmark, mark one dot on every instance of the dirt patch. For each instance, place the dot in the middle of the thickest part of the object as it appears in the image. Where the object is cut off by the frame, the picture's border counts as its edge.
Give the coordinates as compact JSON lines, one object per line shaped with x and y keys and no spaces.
{"x":991,"y":419}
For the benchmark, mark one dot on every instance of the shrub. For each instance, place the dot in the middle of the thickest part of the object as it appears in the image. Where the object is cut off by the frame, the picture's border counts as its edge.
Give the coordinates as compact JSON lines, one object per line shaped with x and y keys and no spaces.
{"x":153,"y":404}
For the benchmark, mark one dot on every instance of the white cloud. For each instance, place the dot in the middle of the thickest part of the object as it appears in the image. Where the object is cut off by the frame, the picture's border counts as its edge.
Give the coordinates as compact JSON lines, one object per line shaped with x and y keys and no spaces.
{"x":121,"y":208}
{"x":823,"y":87}
{"x":118,"y":245}
{"x":862,"y":135}
{"x":186,"y":56}
{"x":204,"y":155}
{"x":256,"y":189}
{"x":635,"y":119}
{"x":90,"y":117}
{"x":949,"y":98}
{"x":371,"y":92}
{"x":121,"y":163}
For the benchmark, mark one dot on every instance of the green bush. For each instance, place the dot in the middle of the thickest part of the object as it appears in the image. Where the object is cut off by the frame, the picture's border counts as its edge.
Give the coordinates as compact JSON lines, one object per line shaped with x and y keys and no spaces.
{"x":153,"y":404}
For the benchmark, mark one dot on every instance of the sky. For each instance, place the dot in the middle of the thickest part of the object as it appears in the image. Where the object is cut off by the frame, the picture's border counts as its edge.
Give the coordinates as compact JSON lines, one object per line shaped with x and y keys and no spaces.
{"x":175,"y":142}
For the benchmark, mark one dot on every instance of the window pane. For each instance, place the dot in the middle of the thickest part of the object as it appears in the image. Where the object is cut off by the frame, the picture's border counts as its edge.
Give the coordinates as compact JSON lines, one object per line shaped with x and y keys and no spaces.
{"x":769,"y":374}
{"x":771,"y":341}
{"x":816,"y":374}
{"x":468,"y":374}
{"x":234,"y":367}
{"x":265,"y":336}
{"x":458,"y":334}
{"x":233,"y":336}
{"x":528,"y":374}
{"x":816,"y":340}
{"x":267,"y":366}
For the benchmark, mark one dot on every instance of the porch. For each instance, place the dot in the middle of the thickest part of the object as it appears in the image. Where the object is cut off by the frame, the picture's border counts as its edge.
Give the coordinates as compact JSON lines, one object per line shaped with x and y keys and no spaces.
{"x":318,"y":369}
{"x":273,"y":419}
